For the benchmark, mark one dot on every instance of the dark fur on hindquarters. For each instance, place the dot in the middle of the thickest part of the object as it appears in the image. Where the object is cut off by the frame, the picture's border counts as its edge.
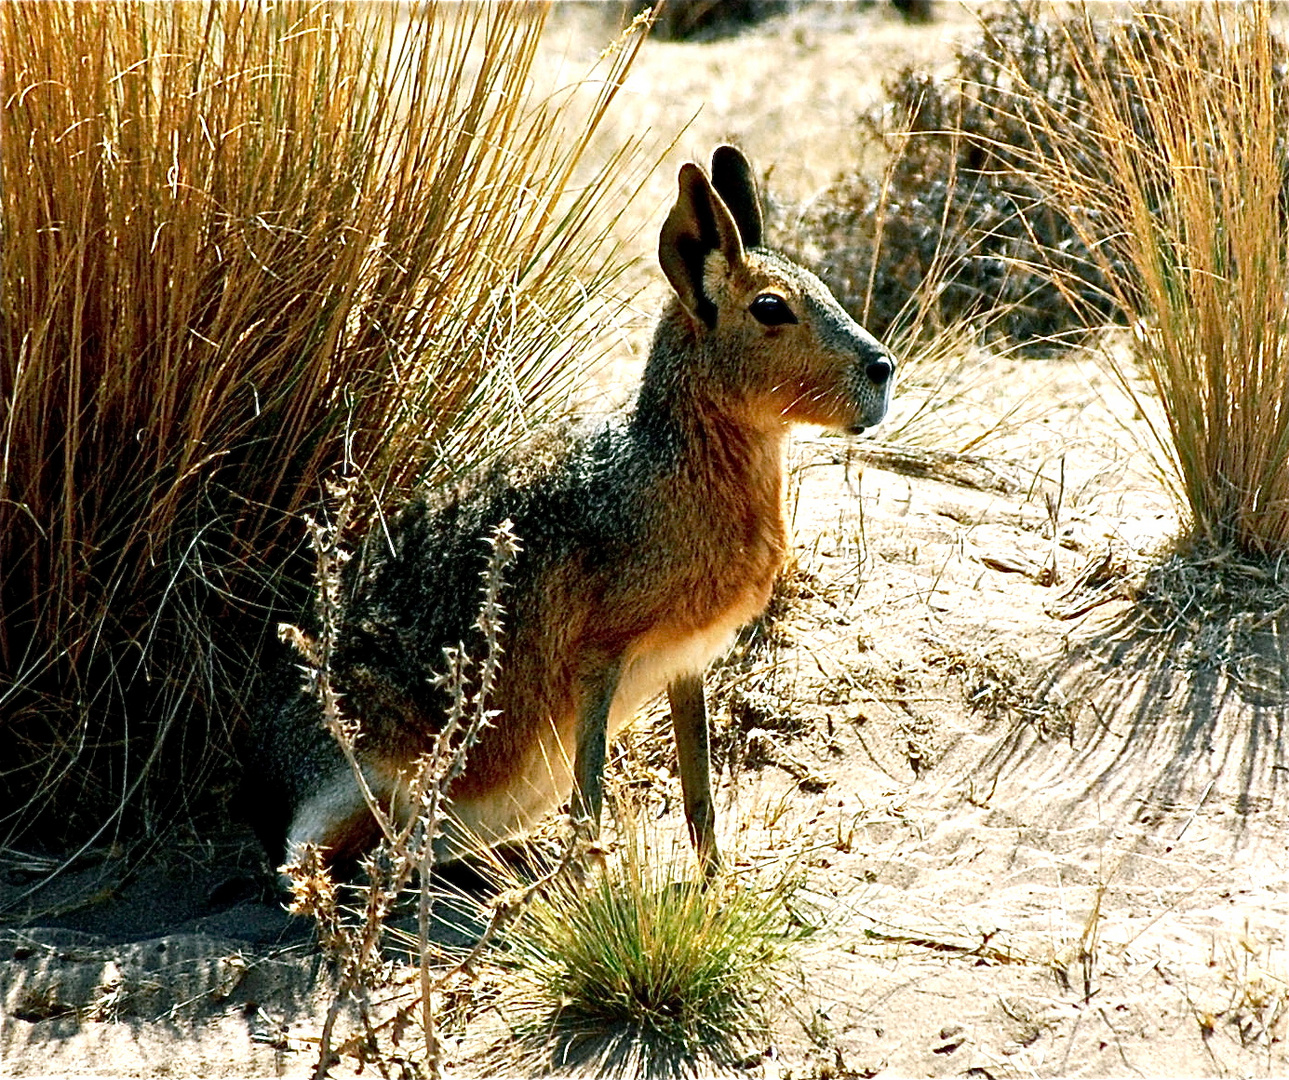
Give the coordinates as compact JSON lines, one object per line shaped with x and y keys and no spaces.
{"x":414,"y":587}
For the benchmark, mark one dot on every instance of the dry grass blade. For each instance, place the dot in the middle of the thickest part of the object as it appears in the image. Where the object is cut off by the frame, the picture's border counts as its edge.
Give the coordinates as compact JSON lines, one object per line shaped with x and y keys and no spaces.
{"x":243,"y":246}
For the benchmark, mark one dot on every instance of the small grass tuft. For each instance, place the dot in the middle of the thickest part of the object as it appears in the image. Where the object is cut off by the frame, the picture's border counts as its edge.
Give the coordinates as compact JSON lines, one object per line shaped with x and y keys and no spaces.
{"x":641,"y":972}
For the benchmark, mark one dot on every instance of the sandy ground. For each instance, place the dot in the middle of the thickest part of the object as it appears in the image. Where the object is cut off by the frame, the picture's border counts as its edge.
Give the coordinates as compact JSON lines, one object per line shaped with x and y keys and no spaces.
{"x":1045,"y":823}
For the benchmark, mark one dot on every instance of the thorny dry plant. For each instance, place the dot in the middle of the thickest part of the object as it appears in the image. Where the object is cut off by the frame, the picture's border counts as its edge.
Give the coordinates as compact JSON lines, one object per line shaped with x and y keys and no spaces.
{"x":406,"y":848}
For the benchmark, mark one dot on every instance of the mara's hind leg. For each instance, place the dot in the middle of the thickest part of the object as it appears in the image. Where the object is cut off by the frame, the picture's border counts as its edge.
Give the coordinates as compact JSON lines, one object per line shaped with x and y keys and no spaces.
{"x":693,"y":750}
{"x":337,"y":818}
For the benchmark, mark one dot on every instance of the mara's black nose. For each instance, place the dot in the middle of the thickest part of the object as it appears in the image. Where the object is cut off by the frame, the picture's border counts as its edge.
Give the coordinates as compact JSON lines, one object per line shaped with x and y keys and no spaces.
{"x":879,"y":371}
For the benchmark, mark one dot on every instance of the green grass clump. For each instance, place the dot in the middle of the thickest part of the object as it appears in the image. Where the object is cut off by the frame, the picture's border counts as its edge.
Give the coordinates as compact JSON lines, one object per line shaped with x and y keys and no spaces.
{"x":643,"y":973}
{"x":244,"y":247}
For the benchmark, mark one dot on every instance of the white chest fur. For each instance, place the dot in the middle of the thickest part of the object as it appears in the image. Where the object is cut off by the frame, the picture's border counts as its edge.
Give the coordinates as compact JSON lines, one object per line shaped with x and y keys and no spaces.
{"x":654,"y":662}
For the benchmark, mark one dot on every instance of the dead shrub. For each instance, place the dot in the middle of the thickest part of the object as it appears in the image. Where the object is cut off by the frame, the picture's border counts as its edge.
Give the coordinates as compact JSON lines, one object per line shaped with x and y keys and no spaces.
{"x":960,"y":222}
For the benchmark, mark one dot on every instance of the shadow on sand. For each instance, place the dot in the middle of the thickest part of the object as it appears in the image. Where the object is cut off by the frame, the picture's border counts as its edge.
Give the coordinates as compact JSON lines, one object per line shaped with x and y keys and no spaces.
{"x":1181,"y":699}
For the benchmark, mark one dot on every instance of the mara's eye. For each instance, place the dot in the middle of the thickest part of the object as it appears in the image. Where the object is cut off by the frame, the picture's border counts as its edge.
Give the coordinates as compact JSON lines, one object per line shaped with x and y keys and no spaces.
{"x":771,"y":310}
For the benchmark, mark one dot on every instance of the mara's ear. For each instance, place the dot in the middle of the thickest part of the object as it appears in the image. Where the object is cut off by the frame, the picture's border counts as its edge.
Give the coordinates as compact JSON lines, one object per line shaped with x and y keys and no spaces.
{"x":732,"y":178}
{"x":699,"y":224}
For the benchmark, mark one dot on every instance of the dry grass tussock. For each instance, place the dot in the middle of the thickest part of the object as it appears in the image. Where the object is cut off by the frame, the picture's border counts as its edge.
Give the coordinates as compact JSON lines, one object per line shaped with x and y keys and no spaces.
{"x":1181,"y":205}
{"x":245,"y":246}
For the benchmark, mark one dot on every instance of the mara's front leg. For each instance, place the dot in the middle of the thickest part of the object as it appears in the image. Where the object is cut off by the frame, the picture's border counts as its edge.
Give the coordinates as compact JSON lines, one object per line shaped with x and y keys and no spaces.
{"x":588,"y":762}
{"x":693,"y":750}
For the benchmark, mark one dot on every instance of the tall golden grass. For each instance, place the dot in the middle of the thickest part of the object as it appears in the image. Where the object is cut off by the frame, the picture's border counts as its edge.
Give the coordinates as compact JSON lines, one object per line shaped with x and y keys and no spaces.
{"x":246,"y":245}
{"x":1176,"y":174}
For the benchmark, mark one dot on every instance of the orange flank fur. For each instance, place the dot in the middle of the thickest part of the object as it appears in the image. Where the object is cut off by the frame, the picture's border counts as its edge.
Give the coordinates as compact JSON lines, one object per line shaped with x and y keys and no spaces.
{"x":523,"y":766}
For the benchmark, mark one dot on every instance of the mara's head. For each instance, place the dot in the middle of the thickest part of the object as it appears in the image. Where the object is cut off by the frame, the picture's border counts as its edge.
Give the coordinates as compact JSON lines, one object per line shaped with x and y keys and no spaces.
{"x":770,"y":339}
